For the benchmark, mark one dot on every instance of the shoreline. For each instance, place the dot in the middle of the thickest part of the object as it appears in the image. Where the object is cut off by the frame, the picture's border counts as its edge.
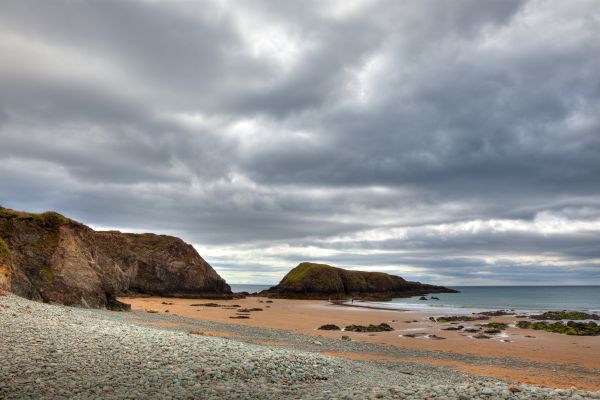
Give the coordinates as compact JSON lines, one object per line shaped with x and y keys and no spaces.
{"x":105,"y":354}
{"x":557,"y":352}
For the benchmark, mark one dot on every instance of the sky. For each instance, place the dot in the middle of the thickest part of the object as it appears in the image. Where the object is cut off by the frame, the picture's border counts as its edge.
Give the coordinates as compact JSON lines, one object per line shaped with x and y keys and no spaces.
{"x":449,"y":142}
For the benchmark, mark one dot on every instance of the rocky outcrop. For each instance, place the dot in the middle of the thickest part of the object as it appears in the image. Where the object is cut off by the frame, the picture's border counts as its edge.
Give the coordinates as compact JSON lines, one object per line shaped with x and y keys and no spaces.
{"x":56,"y":259}
{"x":321,"y":281}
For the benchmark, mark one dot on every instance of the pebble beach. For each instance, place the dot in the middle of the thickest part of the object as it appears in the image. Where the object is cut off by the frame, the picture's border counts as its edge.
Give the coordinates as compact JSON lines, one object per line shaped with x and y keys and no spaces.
{"x":51,"y":351}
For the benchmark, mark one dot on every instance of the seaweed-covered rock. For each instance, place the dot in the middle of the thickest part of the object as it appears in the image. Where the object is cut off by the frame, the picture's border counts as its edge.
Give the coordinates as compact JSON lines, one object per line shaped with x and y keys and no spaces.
{"x":55,"y":259}
{"x":321,"y":281}
{"x":565,"y":315}
{"x":453,"y":328}
{"x":383,"y":327}
{"x":570,"y":328}
{"x":495,"y":325}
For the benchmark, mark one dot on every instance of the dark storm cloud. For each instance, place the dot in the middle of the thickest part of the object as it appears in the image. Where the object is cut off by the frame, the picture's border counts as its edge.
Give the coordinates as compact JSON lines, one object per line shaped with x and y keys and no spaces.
{"x":442,"y":141}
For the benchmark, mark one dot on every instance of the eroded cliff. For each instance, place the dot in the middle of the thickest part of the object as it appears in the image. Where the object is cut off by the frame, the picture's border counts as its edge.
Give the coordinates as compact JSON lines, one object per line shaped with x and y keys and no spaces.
{"x":55,"y":259}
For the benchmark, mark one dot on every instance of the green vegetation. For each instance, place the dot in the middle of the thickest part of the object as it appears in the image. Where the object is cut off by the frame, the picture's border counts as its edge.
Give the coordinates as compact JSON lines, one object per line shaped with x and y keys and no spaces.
{"x":48,"y":274}
{"x":298,"y":273}
{"x":4,"y":250}
{"x":49,"y":217}
{"x":383,"y":327}
{"x":570,"y":328}
{"x":560,"y":315}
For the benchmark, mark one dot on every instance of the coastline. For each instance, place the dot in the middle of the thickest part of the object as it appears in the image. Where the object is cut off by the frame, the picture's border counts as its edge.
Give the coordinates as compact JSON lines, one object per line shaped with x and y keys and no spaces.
{"x":555,"y":353}
{"x":93,"y":353}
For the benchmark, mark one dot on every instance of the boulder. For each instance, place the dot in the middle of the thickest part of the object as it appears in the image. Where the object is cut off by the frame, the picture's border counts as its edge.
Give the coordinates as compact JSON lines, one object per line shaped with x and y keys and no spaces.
{"x":329,"y":327}
{"x":55,"y":259}
{"x":322,"y":281}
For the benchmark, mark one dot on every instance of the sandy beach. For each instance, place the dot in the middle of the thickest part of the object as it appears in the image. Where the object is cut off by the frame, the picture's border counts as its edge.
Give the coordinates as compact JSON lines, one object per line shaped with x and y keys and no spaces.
{"x":553,"y":354}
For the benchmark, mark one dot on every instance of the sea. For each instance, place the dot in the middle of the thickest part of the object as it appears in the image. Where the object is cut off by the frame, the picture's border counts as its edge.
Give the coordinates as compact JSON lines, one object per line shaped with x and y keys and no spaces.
{"x":525,"y":299}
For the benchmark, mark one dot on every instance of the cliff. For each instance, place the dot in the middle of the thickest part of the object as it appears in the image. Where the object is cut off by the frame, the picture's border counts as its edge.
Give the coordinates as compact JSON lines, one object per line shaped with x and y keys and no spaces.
{"x":5,"y":266}
{"x":321,"y":281}
{"x":51,"y":258}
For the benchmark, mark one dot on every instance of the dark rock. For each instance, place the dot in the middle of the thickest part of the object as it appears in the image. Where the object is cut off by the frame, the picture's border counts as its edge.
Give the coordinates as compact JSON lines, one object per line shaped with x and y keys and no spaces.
{"x":329,"y":327}
{"x":492,"y":331}
{"x":116,"y":305}
{"x":248,"y":310}
{"x":493,"y":328}
{"x":481,"y":336}
{"x":383,"y":327}
{"x":321,"y":281}
{"x":453,"y":328}
{"x":460,"y":318}
{"x":435,"y":337}
{"x":423,"y":298}
{"x":413,"y":335}
{"x":497,"y":313}
{"x":240,"y":317}
{"x":434,"y":298}
{"x":346,"y":338}
{"x":58,"y":260}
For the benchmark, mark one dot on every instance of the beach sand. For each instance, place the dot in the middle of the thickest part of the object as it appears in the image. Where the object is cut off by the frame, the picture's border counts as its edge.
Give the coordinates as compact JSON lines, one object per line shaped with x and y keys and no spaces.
{"x":554,"y":352}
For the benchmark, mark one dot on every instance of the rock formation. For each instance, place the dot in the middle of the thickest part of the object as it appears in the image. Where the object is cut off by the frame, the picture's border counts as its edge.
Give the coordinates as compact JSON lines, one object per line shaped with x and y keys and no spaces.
{"x":51,"y":258}
{"x":321,"y":281}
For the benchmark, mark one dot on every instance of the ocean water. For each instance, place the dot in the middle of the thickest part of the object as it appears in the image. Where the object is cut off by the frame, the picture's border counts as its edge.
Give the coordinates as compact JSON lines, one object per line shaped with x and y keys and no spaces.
{"x":248,"y":288}
{"x":486,"y":298}
{"x":518,"y":298}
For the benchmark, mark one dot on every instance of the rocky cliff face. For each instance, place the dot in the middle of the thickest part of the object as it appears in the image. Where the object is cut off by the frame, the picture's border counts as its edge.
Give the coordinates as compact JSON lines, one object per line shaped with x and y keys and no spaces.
{"x":321,"y":281}
{"x":55,"y":259}
{"x":5,"y":266}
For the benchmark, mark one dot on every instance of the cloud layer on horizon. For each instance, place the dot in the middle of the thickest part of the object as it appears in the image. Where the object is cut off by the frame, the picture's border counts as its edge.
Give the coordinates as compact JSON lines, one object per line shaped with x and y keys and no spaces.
{"x":452,"y":143}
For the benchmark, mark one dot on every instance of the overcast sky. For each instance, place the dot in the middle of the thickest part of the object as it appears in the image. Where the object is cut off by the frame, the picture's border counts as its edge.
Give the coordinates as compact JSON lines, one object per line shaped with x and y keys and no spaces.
{"x":451,"y":142}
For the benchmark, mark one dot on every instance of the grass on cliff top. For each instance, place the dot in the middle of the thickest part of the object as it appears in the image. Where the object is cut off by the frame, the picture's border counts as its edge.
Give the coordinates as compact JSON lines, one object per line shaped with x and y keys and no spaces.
{"x":49,"y":217}
{"x":298,"y":273}
{"x":324,"y":271}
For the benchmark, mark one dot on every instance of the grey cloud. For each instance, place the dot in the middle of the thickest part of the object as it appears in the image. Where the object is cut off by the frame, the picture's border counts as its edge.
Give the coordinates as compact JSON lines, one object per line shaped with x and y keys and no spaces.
{"x":164,"y":116}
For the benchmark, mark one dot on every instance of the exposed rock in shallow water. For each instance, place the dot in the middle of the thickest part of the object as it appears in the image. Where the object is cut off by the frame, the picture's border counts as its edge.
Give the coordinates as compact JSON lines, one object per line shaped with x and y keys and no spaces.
{"x":321,"y":281}
{"x":55,"y":259}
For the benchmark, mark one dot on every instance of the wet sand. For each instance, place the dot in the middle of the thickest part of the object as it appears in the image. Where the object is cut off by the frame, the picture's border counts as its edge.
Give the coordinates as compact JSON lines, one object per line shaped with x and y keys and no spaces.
{"x":305,"y":316}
